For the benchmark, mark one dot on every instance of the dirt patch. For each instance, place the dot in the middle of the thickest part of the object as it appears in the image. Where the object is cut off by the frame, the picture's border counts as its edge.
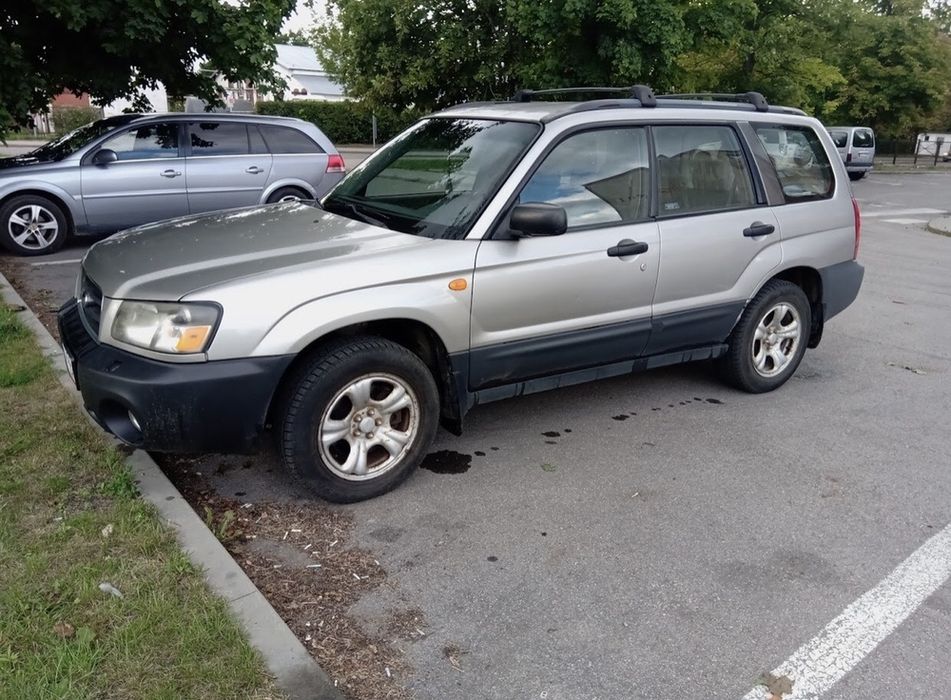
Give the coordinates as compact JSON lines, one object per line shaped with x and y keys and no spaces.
{"x":41,"y":301}
{"x":298,"y":555}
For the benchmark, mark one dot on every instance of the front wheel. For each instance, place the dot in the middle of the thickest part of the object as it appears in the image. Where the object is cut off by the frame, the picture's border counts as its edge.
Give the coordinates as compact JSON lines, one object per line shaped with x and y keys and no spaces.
{"x":770,"y":338}
{"x":358,"y":419}
{"x":32,"y":225}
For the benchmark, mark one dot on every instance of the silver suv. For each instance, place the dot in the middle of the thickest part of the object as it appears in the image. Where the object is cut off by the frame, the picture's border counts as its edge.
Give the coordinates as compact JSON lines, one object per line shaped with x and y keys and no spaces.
{"x":489,"y":251}
{"x":134,"y":169}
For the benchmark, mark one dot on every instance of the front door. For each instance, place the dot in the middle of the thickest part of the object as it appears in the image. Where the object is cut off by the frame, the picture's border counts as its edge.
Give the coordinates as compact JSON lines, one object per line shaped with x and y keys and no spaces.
{"x":554,"y":304}
{"x":145,"y":184}
{"x":719,"y":239}
{"x":224,"y":169}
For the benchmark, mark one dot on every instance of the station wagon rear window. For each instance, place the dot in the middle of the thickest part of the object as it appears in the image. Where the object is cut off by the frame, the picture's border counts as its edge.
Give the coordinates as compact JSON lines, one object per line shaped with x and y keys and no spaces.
{"x":800,"y":160}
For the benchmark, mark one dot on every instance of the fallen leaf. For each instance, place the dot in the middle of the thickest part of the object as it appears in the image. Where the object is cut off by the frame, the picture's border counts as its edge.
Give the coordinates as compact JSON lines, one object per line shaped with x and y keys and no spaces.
{"x":64,"y":630}
{"x":107,"y":530}
{"x":106,"y":587}
{"x":776,"y":686}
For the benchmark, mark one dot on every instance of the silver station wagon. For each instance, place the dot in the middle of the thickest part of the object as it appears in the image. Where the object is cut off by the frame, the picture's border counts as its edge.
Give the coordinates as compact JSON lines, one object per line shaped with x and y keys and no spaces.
{"x":489,"y":251}
{"x":134,"y":169}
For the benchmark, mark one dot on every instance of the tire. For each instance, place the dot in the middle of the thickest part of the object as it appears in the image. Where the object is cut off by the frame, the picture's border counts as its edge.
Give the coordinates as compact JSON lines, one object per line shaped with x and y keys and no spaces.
{"x":346,"y":396}
{"x":854,"y":177}
{"x":749,"y":364}
{"x":41,"y":220}
{"x":287,"y":194}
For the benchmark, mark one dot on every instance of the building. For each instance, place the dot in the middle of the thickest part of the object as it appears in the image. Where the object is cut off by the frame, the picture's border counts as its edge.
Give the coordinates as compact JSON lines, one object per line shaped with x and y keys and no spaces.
{"x":306,"y":78}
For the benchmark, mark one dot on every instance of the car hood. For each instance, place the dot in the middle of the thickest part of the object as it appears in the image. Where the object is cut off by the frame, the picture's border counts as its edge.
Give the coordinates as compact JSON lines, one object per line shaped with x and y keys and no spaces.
{"x":171,"y":259}
{"x":20,"y":164}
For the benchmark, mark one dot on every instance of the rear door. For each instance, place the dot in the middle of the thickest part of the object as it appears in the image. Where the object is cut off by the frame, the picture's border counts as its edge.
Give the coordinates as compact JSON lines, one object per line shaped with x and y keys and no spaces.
{"x":553,"y":304}
{"x":863,"y":147}
{"x":145,"y":184}
{"x":718,"y":238}
{"x":221,"y":170}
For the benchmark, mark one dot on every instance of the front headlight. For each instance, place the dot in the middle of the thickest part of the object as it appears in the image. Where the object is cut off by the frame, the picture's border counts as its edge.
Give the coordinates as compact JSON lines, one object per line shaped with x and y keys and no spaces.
{"x":176,"y":328}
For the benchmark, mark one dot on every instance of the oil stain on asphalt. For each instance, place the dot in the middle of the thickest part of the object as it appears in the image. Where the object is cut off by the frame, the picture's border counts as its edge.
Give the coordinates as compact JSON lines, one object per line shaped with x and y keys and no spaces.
{"x":447,"y":462}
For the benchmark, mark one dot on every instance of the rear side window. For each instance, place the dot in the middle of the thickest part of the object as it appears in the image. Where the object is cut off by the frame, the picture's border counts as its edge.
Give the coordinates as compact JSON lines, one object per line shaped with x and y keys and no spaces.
{"x":800,"y":160}
{"x":863,"y":138}
{"x":283,"y":139}
{"x":840,"y":138}
{"x":701,"y":169}
{"x":218,"y":139}
{"x":598,"y":177}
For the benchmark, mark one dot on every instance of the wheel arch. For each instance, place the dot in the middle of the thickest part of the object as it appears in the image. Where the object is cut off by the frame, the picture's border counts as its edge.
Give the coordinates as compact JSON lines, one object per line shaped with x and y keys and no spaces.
{"x":53,"y":196}
{"x":417,"y":337}
{"x":809,"y":281}
{"x":297,"y":184}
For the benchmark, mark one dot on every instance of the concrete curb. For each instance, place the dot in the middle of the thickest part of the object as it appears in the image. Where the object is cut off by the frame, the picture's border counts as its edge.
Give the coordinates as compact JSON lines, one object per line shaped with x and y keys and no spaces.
{"x":293,"y":668}
{"x":941,"y":226}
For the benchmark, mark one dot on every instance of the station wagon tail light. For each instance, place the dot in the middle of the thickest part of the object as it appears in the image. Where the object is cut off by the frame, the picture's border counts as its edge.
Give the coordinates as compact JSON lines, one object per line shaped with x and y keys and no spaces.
{"x":176,"y":328}
{"x":335,"y":163}
{"x":858,"y":228}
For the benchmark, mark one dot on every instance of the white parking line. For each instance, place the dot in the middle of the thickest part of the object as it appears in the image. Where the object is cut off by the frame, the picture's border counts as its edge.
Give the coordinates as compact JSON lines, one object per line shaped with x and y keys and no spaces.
{"x":905,"y":222}
{"x":57,"y":262}
{"x":900,"y":212}
{"x":821,"y":662}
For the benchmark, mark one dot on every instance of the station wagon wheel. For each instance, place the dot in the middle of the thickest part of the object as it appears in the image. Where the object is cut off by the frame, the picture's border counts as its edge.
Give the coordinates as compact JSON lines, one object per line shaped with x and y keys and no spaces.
{"x":32,"y":225}
{"x":357,"y":418}
{"x":770,"y":338}
{"x":287,"y":194}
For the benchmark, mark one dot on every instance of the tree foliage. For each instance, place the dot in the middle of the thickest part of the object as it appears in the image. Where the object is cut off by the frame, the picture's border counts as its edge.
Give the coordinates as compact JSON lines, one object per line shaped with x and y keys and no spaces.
{"x":111,"y":49}
{"x":886,"y":63}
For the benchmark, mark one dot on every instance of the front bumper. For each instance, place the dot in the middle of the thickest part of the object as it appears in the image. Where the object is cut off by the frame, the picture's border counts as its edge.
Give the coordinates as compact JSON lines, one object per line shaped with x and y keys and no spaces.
{"x":179,"y":407}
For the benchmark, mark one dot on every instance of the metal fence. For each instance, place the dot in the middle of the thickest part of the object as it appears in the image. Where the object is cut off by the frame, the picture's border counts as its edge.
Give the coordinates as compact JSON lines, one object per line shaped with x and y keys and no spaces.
{"x":914,"y":152}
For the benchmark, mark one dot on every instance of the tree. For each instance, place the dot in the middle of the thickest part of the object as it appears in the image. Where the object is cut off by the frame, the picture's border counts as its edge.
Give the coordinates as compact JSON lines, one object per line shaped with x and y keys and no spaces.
{"x":294,"y":37}
{"x":111,"y":49}
{"x":431,"y":53}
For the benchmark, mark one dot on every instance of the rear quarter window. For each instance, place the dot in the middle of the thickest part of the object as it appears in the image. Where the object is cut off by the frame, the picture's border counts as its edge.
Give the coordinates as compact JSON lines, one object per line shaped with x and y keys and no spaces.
{"x":800,"y":161}
{"x":863,"y":138}
{"x":283,"y":139}
{"x":840,"y":138}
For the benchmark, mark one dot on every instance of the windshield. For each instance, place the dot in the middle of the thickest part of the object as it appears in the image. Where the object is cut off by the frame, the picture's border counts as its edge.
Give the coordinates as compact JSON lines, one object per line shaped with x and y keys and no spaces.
{"x":434,"y":179}
{"x":69,"y":143}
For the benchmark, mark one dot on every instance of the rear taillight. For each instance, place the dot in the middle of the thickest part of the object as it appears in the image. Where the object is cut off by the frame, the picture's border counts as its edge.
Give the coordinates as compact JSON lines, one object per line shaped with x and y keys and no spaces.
{"x":335,"y":163}
{"x":858,"y":228}
{"x":848,"y":157}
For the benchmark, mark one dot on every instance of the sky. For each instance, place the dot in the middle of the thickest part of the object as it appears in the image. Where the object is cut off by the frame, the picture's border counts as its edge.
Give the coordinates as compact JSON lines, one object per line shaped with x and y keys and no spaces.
{"x":303,"y":16}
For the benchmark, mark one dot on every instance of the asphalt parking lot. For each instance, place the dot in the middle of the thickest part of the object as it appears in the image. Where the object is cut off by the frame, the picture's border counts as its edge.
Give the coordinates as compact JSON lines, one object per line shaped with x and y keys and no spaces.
{"x":661,"y":535}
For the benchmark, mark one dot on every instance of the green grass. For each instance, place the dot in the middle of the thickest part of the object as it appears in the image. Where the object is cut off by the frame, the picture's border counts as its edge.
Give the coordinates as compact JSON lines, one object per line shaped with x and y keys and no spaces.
{"x":61,"y":483}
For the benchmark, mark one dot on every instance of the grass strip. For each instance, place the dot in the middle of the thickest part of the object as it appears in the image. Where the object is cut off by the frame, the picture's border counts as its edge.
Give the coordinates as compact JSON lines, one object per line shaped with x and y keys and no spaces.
{"x":70,"y":521}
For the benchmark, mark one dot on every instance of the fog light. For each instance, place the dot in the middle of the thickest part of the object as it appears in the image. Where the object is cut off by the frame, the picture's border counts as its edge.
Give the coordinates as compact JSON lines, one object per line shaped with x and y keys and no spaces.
{"x":134,"y":421}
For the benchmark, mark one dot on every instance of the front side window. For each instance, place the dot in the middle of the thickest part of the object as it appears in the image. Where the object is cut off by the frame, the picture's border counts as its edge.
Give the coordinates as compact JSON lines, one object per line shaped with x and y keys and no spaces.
{"x":701,"y":169}
{"x":145,"y":142}
{"x":801,"y":163}
{"x":863,"y":138}
{"x":598,"y":177}
{"x":218,"y":139}
{"x":435,"y":178}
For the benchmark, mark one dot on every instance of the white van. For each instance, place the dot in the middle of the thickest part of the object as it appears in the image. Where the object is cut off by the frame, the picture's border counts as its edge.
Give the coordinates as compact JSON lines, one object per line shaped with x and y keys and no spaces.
{"x":856,"y":146}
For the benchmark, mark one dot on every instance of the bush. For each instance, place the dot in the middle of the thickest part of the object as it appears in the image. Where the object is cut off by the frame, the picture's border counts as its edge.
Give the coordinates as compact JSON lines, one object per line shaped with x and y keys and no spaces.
{"x":343,"y":122}
{"x":65,"y":119}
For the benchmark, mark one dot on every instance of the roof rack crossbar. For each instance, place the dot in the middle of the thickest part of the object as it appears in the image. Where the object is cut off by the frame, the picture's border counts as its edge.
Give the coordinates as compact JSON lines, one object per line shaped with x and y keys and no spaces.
{"x":642,"y":93}
{"x":754,"y":98}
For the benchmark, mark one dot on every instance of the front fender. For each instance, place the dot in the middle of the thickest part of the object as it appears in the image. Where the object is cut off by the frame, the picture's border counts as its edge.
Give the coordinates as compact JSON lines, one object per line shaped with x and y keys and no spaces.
{"x":73,"y":203}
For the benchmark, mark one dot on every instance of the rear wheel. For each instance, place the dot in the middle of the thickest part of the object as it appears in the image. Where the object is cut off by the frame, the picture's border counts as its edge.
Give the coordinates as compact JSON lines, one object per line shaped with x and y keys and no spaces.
{"x":856,"y":176}
{"x":358,"y":419}
{"x":770,"y":338}
{"x":287,"y":194}
{"x":32,"y":225}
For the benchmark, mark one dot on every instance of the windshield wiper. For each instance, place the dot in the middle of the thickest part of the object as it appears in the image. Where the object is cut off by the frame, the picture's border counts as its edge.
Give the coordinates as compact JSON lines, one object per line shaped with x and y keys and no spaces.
{"x":354,"y":210}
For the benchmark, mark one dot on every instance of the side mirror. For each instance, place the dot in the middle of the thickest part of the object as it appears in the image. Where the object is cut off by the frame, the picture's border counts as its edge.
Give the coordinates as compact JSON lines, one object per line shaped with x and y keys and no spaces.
{"x":104,"y":157}
{"x":538,"y":219}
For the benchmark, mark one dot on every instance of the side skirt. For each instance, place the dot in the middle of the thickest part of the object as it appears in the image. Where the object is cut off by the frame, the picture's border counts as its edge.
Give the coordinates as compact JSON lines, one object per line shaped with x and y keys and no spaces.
{"x":581,"y":376}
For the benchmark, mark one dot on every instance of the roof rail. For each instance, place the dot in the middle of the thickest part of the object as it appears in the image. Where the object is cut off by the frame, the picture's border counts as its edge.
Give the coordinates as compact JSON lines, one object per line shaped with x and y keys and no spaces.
{"x":754,"y":98}
{"x":642,"y":93}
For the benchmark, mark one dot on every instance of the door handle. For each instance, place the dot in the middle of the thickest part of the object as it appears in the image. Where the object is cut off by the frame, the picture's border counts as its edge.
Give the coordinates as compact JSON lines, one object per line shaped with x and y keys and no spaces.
{"x":627,"y":247}
{"x":254,"y":170}
{"x":171,"y":173}
{"x":758,"y":228}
